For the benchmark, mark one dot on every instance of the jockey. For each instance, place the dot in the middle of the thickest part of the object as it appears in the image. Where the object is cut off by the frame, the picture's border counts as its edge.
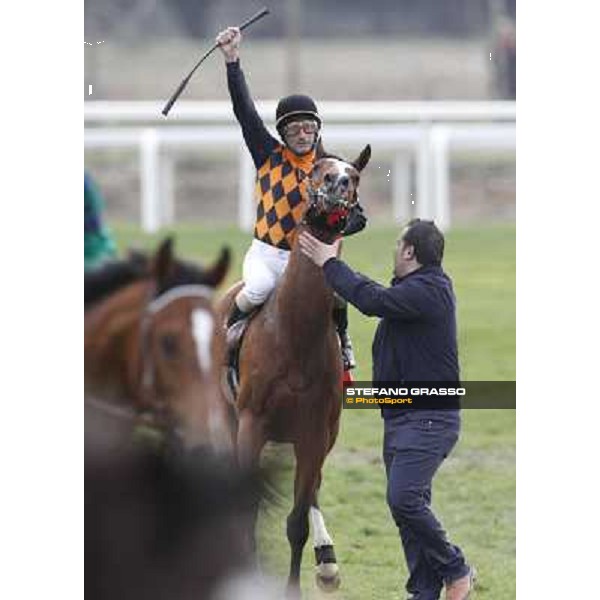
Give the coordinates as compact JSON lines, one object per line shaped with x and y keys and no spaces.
{"x":280,"y":192}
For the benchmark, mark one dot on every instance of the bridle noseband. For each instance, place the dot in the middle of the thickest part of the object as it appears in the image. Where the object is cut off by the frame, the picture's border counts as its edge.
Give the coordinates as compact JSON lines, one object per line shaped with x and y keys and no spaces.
{"x":329,"y":200}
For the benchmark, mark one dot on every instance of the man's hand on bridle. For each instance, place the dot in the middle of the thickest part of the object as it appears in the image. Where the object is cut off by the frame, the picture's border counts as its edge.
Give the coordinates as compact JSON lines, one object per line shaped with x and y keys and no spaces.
{"x":317,"y":251}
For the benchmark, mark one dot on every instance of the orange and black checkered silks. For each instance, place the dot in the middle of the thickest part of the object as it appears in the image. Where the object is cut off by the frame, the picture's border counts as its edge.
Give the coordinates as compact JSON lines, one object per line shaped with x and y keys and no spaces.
{"x":281,"y":196}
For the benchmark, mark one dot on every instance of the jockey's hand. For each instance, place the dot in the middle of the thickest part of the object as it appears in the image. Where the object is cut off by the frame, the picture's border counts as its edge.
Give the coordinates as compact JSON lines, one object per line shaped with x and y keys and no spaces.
{"x":229,"y":42}
{"x":317,"y":251}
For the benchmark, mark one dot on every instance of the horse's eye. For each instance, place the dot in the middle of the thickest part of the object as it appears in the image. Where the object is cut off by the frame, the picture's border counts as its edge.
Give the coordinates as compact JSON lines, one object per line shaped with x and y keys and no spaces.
{"x":168,"y":345}
{"x":328,"y":178}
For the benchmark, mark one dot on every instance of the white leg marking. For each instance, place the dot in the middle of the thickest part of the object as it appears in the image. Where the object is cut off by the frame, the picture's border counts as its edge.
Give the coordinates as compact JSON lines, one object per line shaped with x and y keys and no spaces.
{"x":202,"y":327}
{"x":327,"y":573}
{"x":321,"y":536}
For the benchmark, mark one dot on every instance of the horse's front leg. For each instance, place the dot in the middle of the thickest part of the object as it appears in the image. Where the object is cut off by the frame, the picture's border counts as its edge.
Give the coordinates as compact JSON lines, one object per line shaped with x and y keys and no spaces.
{"x":250,"y":442}
{"x":327,"y":571}
{"x":307,"y":482}
{"x":297,"y":534}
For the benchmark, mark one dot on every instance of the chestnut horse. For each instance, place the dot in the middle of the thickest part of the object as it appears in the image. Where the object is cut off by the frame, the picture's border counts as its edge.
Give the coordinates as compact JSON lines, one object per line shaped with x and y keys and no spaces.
{"x":153,"y":351}
{"x":290,"y":367}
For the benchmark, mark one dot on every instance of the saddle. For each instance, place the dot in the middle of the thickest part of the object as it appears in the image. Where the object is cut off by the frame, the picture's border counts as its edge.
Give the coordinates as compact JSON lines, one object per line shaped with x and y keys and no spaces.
{"x":234,"y":341}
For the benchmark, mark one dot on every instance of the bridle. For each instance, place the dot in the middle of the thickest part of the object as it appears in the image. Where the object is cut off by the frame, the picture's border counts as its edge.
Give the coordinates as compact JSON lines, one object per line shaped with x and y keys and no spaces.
{"x":326,"y":213}
{"x":329,"y":200}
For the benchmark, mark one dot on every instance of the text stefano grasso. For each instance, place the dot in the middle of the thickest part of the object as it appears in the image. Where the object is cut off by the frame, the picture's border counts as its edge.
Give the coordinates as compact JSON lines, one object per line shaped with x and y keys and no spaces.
{"x":403,"y":391}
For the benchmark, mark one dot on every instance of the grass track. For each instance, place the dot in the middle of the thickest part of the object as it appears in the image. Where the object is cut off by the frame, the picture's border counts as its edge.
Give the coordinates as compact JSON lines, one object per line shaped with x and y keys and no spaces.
{"x":474,"y":492}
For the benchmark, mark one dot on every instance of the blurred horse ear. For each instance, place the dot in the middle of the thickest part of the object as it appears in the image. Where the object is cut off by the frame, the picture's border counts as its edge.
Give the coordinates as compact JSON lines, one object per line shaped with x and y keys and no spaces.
{"x":214,"y":275}
{"x":363,"y":158}
{"x":138,"y":259}
{"x":163,"y":260}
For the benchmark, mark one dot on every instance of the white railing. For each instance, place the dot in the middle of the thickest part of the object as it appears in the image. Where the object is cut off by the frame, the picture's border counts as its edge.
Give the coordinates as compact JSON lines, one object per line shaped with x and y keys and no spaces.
{"x":426,"y":132}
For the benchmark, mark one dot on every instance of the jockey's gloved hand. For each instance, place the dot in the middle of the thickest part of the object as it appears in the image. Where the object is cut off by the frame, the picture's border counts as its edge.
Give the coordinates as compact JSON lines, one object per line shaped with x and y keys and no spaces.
{"x":356,"y":220}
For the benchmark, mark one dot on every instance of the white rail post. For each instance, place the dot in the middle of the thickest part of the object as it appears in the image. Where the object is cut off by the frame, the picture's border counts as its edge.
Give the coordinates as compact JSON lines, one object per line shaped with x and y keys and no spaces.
{"x":424,"y":175}
{"x":441,"y":176}
{"x":167,"y":188}
{"x":246,"y":190}
{"x":401,"y":185}
{"x":150,"y":181}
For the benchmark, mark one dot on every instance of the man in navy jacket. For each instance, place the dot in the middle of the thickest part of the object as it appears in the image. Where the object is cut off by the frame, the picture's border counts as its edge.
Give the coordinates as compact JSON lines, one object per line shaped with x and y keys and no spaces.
{"x":415,"y":342}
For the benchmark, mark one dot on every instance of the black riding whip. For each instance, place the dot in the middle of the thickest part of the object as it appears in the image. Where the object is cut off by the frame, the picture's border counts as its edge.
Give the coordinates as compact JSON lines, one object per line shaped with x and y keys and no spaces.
{"x":165,"y":111}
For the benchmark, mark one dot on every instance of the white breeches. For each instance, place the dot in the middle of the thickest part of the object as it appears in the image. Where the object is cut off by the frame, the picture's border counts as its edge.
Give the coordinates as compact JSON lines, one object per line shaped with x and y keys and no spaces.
{"x":263,"y":267}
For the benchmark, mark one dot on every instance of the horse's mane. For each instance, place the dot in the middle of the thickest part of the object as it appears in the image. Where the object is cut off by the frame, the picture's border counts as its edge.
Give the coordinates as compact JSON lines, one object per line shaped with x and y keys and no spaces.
{"x":113,"y":276}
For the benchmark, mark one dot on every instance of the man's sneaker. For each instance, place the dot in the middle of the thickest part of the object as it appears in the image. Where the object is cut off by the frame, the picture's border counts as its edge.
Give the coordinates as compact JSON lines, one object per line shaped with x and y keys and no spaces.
{"x":461,"y":588}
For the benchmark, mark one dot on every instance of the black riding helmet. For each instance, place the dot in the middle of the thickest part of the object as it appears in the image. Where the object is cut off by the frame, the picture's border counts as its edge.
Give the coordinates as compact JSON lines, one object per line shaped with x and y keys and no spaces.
{"x":293,"y":108}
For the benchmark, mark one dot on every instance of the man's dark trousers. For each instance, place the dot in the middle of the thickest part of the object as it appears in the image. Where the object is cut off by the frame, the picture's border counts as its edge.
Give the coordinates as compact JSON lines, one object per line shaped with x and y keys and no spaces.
{"x":415,"y":445}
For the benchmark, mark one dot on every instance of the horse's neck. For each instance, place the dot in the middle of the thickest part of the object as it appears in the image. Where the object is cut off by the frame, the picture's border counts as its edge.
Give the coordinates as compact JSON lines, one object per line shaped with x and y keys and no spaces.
{"x":304,"y":299}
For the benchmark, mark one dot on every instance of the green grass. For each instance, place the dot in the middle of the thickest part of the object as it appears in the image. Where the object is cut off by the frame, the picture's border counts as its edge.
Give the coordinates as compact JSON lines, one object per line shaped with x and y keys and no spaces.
{"x":474,"y":492}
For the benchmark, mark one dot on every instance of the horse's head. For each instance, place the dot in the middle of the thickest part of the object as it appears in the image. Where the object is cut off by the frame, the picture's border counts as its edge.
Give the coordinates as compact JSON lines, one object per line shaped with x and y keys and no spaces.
{"x":332,"y":190}
{"x":183,"y":348}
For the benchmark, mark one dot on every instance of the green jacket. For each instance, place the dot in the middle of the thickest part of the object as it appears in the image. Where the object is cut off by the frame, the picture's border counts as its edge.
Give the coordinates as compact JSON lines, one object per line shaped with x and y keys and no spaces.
{"x":98,"y":242}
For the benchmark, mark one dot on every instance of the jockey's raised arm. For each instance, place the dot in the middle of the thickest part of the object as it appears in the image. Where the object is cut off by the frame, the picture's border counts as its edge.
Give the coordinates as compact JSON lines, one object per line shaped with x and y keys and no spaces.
{"x":259,"y":141}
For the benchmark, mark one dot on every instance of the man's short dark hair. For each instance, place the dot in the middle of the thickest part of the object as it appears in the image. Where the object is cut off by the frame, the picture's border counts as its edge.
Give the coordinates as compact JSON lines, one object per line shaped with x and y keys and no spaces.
{"x":427,"y":240}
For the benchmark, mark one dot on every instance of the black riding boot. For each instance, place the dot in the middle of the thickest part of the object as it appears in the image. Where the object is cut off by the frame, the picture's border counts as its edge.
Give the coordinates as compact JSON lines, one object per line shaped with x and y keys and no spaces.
{"x":236,"y":314}
{"x":236,"y":323}
{"x":340,"y":318}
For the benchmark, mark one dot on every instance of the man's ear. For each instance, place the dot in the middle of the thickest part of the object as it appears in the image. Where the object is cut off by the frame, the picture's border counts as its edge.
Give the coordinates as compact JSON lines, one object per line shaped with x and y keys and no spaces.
{"x":409,"y":252}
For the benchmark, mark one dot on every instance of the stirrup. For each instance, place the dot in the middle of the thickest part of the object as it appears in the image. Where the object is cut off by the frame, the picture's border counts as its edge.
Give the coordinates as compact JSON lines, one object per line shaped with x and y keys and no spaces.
{"x":348,"y":357}
{"x":234,"y":332}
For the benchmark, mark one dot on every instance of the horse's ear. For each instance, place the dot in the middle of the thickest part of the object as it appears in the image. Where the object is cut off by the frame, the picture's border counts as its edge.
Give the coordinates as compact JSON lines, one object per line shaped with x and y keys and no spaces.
{"x":214,"y":275}
{"x":163,"y":260}
{"x":363,"y":158}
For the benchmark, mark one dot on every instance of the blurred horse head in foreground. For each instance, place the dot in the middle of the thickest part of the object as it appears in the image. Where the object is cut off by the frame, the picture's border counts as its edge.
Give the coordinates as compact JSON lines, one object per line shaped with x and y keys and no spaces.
{"x":154,"y":349}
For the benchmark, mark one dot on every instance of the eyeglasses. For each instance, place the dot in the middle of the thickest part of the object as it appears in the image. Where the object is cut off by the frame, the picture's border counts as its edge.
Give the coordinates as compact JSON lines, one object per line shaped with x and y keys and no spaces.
{"x":297,"y":126}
